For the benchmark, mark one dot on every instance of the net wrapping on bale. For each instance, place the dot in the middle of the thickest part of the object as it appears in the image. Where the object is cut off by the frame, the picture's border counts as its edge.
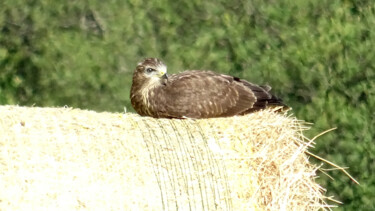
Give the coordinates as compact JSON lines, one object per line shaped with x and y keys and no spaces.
{"x":70,"y":159}
{"x":189,"y":174}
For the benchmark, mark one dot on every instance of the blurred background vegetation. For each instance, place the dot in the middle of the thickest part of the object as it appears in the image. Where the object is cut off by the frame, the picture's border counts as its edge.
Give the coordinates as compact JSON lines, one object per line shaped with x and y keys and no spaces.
{"x":318,"y":55}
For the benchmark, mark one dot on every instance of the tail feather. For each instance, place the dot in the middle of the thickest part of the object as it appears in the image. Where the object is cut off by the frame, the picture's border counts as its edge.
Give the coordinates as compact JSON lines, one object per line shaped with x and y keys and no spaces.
{"x":274,"y":101}
{"x":264,"y":98}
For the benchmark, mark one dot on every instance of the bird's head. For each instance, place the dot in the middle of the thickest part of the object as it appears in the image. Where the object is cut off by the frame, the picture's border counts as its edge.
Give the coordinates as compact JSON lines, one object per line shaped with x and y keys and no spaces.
{"x":151,"y":72}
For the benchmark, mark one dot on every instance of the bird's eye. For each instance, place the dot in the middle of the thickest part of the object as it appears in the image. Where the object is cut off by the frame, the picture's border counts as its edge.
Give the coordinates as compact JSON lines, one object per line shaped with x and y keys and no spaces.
{"x":149,"y":70}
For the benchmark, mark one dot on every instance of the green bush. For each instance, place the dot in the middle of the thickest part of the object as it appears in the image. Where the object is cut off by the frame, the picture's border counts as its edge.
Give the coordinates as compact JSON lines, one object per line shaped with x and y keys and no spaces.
{"x":317,"y":55}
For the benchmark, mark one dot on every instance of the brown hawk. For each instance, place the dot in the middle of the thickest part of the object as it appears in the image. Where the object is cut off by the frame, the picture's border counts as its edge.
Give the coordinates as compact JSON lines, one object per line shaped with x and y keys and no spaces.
{"x":194,"y":94}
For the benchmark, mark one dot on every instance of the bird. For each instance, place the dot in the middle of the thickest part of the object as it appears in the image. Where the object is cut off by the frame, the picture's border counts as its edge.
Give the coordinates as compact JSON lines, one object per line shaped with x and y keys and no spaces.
{"x":195,"y":94}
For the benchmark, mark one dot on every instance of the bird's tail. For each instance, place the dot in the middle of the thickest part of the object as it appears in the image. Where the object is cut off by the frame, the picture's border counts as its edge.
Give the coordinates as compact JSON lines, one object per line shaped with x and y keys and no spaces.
{"x":277,"y":102}
{"x":264,"y":99}
{"x":273,"y":102}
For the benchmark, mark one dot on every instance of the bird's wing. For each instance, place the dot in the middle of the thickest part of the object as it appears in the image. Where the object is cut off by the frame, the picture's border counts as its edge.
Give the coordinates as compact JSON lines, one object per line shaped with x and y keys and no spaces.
{"x":203,"y":94}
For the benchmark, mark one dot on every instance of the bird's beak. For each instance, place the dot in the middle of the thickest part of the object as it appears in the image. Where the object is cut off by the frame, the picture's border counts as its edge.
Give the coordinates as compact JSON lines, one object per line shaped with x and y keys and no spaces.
{"x":164,"y":76}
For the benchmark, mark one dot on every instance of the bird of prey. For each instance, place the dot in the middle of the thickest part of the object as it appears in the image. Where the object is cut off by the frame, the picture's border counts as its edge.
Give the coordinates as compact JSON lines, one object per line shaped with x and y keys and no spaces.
{"x":194,"y":94}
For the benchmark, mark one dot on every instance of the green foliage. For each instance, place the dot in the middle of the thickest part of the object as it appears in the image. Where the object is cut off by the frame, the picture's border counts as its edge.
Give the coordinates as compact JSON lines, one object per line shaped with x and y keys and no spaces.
{"x":317,"y":55}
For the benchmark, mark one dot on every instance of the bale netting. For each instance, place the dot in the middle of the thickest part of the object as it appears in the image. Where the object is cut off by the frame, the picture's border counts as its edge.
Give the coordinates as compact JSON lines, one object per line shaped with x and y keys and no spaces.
{"x":71,"y":159}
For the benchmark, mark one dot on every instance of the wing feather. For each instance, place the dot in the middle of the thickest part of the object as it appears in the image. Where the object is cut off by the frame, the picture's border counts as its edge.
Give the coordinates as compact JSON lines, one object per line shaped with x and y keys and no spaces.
{"x":200,"y":94}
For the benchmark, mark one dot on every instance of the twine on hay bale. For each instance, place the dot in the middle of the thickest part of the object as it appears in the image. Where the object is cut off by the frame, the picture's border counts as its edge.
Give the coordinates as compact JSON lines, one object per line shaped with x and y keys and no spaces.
{"x":70,"y":159}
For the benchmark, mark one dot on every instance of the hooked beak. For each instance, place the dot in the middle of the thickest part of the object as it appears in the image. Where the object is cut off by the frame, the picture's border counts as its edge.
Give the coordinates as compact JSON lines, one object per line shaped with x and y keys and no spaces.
{"x":164,"y":76}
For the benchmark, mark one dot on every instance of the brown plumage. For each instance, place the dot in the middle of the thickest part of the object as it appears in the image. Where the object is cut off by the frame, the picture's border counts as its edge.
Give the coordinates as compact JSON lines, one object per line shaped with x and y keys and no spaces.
{"x":194,"y":94}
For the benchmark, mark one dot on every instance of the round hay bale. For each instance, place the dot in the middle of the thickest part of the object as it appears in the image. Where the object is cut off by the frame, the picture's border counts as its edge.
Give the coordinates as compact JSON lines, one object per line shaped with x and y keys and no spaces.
{"x":71,"y":159}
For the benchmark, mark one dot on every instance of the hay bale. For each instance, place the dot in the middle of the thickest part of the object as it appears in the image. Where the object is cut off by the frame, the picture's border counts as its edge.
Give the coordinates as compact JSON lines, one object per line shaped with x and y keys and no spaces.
{"x":71,"y":159}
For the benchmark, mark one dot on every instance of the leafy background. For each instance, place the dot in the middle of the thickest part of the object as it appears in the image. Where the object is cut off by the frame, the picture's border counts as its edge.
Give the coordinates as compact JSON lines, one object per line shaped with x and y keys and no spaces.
{"x":318,"y":55}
